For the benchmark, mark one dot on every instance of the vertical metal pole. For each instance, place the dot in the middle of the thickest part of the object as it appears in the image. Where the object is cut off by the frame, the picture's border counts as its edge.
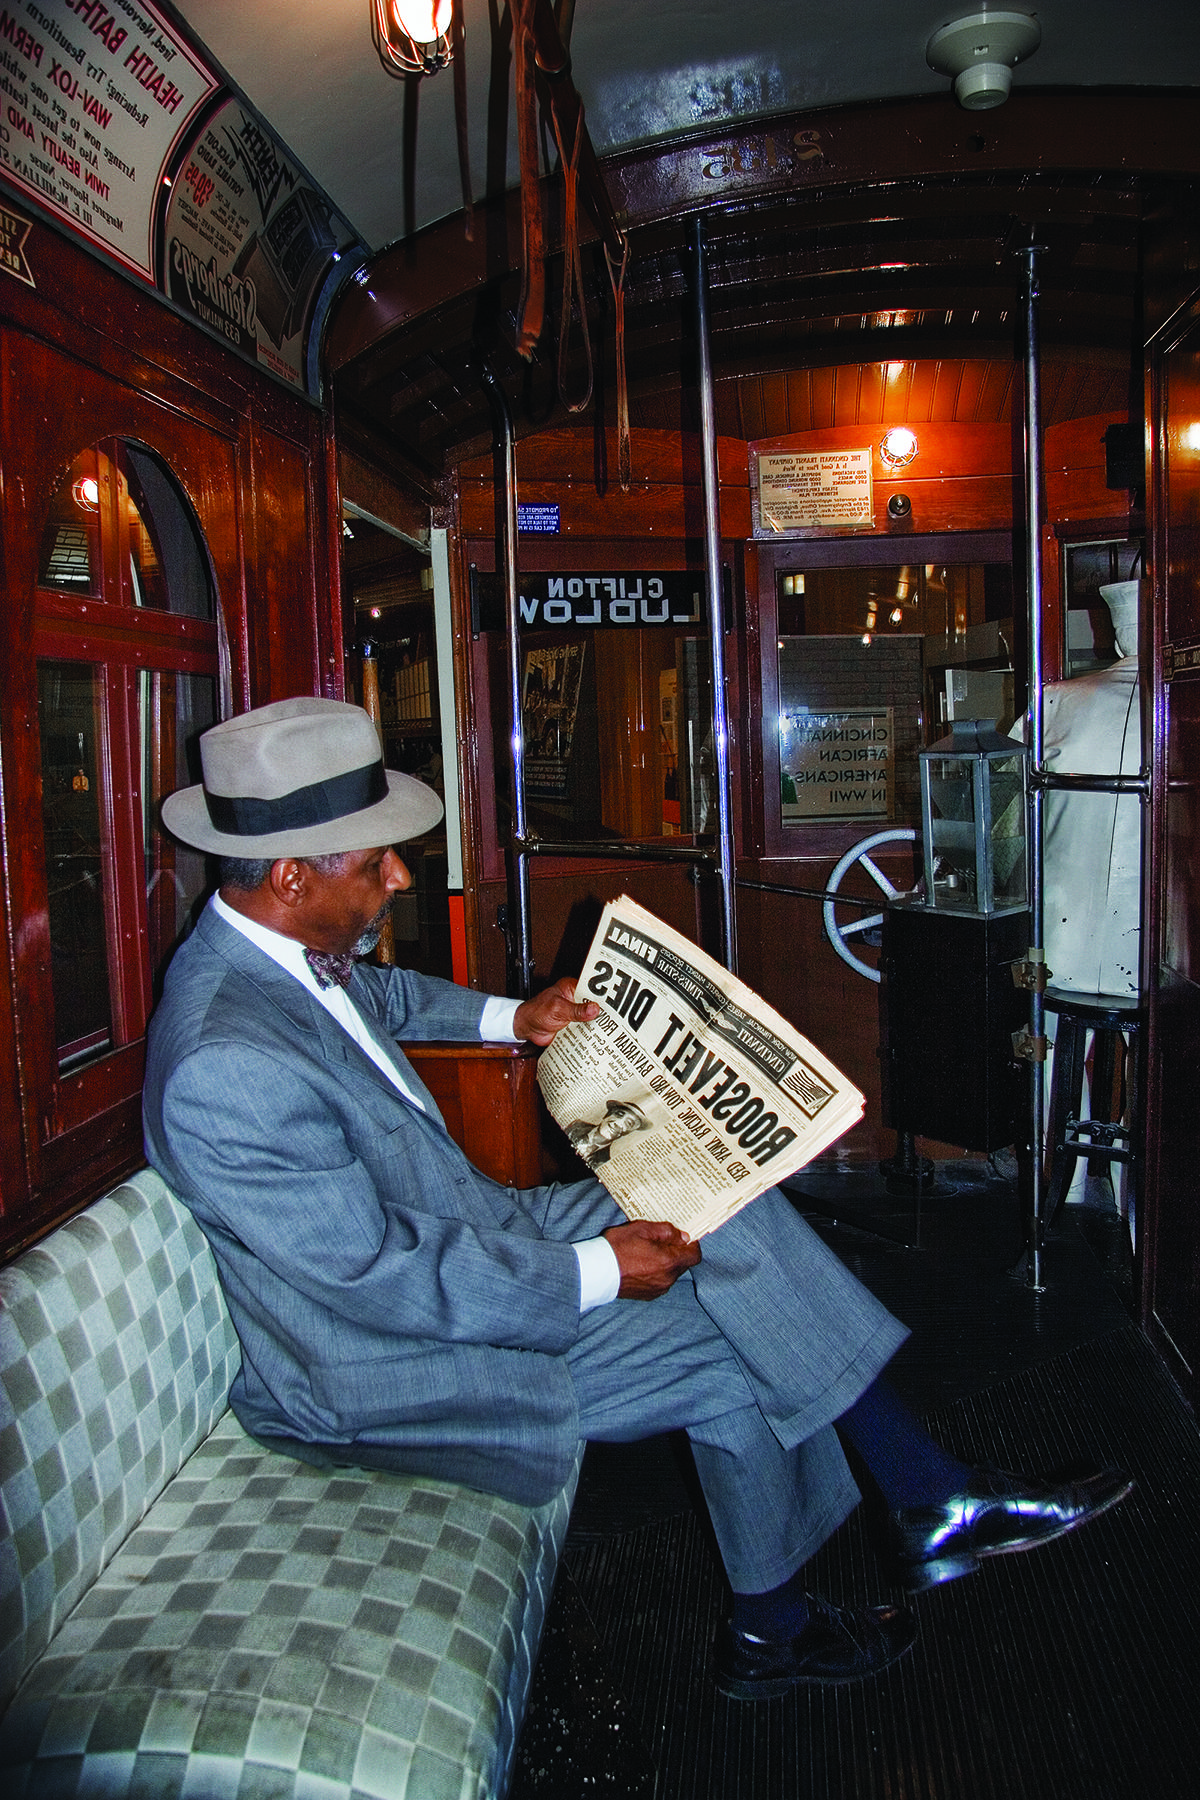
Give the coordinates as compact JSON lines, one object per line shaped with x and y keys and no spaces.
{"x":385,"y":949}
{"x":1036,"y":796}
{"x":520,"y":933}
{"x":726,"y":869}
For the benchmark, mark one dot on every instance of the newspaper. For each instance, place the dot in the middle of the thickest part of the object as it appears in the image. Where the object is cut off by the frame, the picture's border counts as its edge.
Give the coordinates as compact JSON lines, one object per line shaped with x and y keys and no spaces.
{"x":688,"y":1095}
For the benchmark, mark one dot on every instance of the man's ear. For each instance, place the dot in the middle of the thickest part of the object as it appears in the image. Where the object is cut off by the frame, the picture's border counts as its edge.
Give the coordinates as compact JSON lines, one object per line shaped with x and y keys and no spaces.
{"x":288,"y":880}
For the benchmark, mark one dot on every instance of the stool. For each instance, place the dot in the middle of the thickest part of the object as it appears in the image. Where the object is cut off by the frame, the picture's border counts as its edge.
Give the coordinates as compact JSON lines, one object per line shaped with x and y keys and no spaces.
{"x":1100,"y":1138}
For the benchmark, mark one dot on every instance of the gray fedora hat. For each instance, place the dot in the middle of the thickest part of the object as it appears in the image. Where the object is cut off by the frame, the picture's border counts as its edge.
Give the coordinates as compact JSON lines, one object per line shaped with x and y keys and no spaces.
{"x":300,"y":777}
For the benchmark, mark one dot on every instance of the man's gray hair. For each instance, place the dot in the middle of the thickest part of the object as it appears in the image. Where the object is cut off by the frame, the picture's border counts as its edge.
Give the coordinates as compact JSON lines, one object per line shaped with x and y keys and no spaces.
{"x":247,"y":873}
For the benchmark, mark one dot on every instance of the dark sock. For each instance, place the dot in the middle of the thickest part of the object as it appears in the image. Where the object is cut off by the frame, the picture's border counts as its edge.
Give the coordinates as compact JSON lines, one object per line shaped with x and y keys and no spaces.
{"x":782,"y":1612}
{"x":907,"y":1466}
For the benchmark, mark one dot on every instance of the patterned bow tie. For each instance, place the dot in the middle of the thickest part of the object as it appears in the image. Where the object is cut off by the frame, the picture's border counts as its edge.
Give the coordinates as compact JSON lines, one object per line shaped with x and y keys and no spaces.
{"x":329,"y":971}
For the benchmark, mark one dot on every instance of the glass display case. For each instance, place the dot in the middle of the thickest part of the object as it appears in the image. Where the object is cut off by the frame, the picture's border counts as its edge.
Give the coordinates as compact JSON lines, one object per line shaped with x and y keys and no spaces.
{"x":973,"y":817}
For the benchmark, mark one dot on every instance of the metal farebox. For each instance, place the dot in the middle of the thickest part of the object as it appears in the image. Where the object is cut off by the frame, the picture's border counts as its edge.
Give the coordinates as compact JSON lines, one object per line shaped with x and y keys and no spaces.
{"x":973,"y":811}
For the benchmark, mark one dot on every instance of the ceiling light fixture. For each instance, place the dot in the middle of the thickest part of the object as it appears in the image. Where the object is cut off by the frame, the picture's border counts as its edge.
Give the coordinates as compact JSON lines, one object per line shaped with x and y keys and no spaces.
{"x":898,"y":446}
{"x":412,"y":36}
{"x":979,"y":50}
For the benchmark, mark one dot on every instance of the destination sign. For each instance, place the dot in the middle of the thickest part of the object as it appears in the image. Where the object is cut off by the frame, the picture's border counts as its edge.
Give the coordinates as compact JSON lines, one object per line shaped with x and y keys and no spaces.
{"x":669,"y":597}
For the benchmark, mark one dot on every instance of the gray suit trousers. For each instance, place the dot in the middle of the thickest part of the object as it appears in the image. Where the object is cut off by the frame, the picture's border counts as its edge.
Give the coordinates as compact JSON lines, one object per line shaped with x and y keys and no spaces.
{"x":716,"y":1357}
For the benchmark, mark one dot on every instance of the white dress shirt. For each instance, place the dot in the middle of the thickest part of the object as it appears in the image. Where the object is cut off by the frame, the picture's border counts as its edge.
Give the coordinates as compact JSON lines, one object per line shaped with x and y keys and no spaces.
{"x":599,"y":1272}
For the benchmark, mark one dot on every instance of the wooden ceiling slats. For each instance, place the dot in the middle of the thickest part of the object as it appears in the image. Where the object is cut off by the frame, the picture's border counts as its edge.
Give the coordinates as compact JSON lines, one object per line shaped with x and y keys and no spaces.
{"x":810,"y":303}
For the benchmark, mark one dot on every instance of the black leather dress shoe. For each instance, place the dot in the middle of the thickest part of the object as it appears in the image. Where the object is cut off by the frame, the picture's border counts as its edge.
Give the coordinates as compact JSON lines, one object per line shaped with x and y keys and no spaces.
{"x":997,"y":1515}
{"x":839,"y":1643}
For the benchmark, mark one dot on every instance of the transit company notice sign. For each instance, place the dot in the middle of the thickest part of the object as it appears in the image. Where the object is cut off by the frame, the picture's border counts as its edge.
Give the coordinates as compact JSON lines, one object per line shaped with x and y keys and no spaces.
{"x":804,"y":490}
{"x":836,"y":765}
{"x":96,"y":98}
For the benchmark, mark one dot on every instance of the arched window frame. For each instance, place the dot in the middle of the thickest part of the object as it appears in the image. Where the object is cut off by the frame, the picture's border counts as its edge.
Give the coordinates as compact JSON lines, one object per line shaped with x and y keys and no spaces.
{"x":134,"y":651}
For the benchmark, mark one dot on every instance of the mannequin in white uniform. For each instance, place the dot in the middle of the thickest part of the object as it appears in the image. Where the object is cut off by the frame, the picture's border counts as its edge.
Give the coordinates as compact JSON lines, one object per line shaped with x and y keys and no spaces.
{"x":1092,"y":844}
{"x":1092,"y":726}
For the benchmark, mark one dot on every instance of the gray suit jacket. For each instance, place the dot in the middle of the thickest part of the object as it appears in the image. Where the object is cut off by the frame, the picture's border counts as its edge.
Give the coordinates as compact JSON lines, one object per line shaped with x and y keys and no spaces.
{"x":394,"y":1305}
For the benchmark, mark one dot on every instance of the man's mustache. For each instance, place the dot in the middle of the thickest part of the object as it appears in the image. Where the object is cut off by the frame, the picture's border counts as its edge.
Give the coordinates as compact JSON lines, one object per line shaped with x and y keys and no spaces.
{"x":369,"y":937}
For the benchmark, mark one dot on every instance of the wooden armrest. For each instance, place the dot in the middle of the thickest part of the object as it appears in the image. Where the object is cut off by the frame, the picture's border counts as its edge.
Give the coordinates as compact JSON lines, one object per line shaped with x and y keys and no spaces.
{"x":488,"y":1095}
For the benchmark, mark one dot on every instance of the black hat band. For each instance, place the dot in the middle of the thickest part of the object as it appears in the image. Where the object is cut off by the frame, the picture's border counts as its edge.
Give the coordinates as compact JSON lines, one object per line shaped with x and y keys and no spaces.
{"x":322,"y":803}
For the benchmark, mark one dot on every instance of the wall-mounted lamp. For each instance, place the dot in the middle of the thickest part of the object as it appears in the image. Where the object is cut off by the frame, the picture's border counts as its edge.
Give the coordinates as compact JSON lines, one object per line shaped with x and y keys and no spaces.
{"x":897,"y":447}
{"x":979,"y":51}
{"x":86,"y":493}
{"x":411,"y":36}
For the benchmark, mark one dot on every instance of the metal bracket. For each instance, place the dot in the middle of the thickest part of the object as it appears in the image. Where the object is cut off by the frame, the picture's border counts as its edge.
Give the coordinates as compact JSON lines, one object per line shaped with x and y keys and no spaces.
{"x":1028,"y":1047}
{"x":1031,"y":972}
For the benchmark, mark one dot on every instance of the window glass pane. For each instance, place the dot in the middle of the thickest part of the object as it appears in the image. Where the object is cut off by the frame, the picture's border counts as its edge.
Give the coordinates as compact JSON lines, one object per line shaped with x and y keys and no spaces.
{"x":617,"y":726}
{"x":70,"y":552}
{"x":1090,"y":643}
{"x":173,"y":710}
{"x":872,"y":663}
{"x":167,"y":565}
{"x":70,"y":719}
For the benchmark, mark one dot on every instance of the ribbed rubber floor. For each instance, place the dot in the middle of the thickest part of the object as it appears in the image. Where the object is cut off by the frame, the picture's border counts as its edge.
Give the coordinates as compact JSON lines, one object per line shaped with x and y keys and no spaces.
{"x":1071,"y":1673}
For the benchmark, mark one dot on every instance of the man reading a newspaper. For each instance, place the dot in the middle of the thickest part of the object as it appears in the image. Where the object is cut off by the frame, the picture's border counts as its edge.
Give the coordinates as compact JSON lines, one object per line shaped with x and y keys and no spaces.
{"x":397,"y":1309}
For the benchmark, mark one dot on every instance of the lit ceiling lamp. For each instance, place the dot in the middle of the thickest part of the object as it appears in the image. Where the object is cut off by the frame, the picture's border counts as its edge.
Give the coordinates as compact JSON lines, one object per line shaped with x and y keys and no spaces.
{"x":412,"y":36}
{"x":897,"y":447}
{"x":979,"y":50}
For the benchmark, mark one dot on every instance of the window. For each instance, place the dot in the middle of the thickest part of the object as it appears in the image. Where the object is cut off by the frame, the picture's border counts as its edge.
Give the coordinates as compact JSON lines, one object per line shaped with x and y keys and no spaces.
{"x":1089,"y":643}
{"x":126,"y":638}
{"x":865,"y":662}
{"x":617,"y":724}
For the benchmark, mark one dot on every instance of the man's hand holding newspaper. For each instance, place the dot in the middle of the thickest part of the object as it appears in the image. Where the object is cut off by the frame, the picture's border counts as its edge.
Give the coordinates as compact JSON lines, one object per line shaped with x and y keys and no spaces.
{"x":687,"y":1095}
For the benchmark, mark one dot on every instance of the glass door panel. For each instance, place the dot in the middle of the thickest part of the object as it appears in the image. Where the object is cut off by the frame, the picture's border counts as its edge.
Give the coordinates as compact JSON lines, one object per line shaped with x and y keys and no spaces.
{"x":70,"y":711}
{"x":173,"y":711}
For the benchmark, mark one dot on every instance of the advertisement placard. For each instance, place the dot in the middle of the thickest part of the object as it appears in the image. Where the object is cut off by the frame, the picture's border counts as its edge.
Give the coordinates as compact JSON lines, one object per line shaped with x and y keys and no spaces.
{"x":249,"y":240}
{"x":95,"y":101}
{"x":836,"y":765}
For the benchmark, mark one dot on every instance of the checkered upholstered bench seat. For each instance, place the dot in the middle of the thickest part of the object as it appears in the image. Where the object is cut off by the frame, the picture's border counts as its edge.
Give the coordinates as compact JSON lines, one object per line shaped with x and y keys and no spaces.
{"x":183,"y":1613}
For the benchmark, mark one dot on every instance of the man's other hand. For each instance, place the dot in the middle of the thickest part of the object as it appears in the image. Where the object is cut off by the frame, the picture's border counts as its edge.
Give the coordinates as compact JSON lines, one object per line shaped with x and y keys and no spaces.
{"x":651,"y":1257}
{"x":538,"y":1019}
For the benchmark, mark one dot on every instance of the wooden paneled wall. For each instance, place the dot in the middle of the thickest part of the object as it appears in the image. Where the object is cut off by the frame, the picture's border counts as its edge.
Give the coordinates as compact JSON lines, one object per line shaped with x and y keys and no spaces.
{"x":87,"y":355}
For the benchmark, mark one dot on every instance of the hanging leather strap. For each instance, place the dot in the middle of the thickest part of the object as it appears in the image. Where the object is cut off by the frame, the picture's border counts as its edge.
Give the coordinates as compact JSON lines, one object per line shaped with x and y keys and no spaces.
{"x":572,"y":285}
{"x":624,"y":452}
{"x":531,"y":313}
{"x":458,"y":33}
